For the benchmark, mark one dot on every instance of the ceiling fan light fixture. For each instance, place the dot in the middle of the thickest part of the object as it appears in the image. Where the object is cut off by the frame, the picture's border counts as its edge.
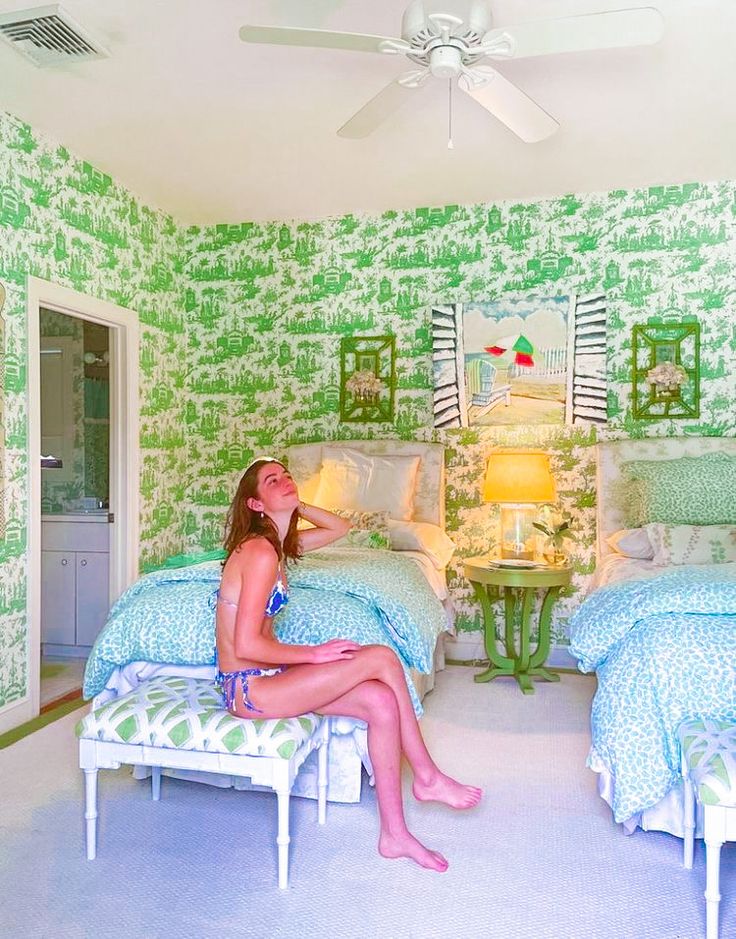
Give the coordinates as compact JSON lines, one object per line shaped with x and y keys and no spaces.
{"x":446,"y":62}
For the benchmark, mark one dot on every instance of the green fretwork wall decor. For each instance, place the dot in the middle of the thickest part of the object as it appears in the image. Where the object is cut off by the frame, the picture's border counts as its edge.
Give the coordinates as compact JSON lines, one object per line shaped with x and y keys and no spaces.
{"x":367,"y":379}
{"x":666,"y":341}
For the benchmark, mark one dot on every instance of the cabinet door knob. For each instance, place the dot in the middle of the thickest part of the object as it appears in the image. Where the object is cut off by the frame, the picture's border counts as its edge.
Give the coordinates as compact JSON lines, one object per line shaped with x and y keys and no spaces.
{"x":83,"y":563}
{"x":64,"y":562}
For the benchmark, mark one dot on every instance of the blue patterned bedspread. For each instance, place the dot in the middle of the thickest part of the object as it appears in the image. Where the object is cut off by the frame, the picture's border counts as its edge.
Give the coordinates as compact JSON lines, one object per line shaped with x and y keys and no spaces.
{"x":663,"y":649}
{"x":366,"y":595}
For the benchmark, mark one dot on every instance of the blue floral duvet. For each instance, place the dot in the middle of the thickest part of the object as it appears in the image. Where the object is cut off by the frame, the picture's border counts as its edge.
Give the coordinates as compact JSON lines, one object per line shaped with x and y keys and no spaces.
{"x":663,"y":649}
{"x":366,"y":595}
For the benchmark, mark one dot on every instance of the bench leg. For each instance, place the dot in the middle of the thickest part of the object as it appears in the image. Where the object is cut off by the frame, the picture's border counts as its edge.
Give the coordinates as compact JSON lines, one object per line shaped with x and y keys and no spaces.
{"x":155,"y":783}
{"x":90,"y":811}
{"x":322,"y":774}
{"x":712,"y":894}
{"x":282,"y":838}
{"x":688,"y":799}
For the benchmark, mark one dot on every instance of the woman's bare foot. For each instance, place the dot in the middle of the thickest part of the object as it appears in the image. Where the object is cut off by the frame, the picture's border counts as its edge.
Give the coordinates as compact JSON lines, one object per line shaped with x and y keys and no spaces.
{"x":442,"y":788}
{"x":406,"y":845}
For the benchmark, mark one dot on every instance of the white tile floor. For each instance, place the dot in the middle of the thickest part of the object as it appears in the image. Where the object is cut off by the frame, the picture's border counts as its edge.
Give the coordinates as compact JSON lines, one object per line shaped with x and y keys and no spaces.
{"x":59,"y":677}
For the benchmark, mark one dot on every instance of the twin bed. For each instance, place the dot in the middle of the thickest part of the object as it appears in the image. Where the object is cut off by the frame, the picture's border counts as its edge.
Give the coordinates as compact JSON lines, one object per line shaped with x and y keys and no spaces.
{"x":659,"y":625}
{"x":384,"y":584}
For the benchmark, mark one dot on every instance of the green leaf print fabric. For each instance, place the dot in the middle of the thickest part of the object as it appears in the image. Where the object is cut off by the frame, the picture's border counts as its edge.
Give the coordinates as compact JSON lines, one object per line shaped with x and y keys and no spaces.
{"x":689,"y":491}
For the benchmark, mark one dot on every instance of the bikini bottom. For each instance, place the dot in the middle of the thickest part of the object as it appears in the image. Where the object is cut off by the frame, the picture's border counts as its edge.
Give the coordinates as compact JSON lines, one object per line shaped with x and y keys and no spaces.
{"x":227,"y":682}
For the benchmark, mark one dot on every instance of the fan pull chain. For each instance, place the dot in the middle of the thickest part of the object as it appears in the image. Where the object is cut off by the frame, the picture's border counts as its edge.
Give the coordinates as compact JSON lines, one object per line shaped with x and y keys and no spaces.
{"x":450,"y":144}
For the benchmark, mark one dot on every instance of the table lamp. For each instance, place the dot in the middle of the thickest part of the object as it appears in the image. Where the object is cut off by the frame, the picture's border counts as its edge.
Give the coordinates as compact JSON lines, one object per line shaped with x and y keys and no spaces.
{"x":518,"y":480}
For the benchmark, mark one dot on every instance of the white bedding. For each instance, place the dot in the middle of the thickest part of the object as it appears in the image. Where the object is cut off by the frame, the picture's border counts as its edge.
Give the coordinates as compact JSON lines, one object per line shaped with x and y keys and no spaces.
{"x":616,"y":568}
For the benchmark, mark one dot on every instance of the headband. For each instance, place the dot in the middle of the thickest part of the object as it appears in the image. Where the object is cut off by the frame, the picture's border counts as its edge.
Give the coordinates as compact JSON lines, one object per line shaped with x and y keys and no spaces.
{"x":262,"y":459}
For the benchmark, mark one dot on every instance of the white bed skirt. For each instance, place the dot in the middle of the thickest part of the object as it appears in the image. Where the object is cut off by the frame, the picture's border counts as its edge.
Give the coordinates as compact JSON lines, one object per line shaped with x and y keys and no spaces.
{"x":348,"y":752}
{"x":665,"y":816}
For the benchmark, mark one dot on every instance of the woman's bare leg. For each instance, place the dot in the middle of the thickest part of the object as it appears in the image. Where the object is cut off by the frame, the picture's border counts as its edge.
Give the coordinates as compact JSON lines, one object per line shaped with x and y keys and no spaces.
{"x":430,"y":783}
{"x":375,"y":703}
{"x":304,"y":688}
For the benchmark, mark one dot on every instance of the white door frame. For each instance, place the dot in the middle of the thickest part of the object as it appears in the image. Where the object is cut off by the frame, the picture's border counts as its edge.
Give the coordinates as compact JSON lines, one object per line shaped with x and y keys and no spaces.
{"x":124,"y":450}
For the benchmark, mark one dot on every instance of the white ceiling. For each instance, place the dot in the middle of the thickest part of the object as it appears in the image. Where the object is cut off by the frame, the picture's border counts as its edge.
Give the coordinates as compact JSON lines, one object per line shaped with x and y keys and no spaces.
{"x":210,"y":129}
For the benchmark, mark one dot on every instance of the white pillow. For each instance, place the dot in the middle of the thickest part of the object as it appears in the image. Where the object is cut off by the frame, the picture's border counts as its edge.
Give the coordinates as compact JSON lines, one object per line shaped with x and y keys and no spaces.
{"x":632,"y":543}
{"x":352,"y":480}
{"x":692,"y":544}
{"x":422,"y":536}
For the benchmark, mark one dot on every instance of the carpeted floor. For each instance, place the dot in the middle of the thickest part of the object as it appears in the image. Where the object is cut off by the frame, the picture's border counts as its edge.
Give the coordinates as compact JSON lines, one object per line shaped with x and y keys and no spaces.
{"x":539,"y":859}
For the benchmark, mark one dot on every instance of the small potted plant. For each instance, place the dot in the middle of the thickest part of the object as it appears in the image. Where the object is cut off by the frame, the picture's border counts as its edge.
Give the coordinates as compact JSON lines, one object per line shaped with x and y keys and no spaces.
{"x":556,"y":529}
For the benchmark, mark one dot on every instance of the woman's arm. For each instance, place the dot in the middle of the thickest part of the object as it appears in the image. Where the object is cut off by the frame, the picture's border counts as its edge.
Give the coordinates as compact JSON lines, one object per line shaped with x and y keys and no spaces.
{"x":258,"y":569}
{"x":328,"y":527}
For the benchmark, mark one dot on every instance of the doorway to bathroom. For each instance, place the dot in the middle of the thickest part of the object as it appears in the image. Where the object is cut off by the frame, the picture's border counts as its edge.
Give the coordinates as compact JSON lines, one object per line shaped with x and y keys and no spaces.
{"x":83,"y":479}
{"x":74,"y":370}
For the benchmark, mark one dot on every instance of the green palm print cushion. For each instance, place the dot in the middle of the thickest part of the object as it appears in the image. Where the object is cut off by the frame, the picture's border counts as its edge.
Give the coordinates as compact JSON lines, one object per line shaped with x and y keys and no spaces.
{"x":187,"y":714}
{"x":709,"y":747}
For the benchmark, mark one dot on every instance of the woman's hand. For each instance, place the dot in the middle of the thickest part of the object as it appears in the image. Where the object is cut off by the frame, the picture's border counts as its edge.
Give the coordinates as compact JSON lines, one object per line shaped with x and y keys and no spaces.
{"x":334,"y":651}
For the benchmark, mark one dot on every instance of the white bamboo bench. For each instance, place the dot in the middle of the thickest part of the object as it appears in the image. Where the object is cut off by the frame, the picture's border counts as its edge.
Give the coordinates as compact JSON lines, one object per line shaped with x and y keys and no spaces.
{"x":708,"y":750}
{"x":180,"y":723}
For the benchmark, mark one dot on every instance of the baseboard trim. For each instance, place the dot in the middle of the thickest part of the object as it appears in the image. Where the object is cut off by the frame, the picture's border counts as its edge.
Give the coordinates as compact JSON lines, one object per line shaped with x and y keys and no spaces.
{"x":466,"y":647}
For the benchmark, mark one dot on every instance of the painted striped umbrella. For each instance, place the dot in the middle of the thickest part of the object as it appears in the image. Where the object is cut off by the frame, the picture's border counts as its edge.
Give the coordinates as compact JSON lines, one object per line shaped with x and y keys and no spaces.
{"x":518,"y":344}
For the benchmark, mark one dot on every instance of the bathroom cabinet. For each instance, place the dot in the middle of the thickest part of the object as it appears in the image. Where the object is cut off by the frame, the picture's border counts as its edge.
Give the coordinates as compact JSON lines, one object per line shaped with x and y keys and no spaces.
{"x":75,"y":581}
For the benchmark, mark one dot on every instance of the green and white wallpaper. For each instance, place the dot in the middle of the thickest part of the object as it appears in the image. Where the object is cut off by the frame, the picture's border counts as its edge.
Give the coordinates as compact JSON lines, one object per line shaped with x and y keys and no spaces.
{"x":242,"y":328}
{"x":64,"y":221}
{"x":269,"y":303}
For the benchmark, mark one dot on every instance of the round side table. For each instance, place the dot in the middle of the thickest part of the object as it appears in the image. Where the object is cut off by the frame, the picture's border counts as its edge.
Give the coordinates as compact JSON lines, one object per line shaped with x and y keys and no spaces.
{"x":517,"y":587}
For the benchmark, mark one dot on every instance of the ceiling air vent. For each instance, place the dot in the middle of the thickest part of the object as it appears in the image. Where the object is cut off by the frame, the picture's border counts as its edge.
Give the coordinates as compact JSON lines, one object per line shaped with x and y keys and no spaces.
{"x":48,"y":36}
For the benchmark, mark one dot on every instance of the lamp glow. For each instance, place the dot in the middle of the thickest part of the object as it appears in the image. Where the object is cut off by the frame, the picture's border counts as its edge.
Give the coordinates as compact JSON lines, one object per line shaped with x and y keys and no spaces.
{"x":517,"y":480}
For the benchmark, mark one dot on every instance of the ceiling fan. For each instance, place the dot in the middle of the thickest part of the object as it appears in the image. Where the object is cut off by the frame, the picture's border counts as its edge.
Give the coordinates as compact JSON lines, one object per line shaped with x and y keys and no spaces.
{"x":444,"y":46}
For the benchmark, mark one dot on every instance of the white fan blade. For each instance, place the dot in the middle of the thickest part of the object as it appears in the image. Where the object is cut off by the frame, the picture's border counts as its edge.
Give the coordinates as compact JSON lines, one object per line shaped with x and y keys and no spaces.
{"x":611,"y":30}
{"x":512,"y":107}
{"x":381,"y":106}
{"x":317,"y":38}
{"x":414,"y":20}
{"x":479,"y":17}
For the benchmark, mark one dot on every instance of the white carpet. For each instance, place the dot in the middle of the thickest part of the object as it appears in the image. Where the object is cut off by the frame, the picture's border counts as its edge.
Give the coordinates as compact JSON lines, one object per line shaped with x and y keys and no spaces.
{"x":539,"y":859}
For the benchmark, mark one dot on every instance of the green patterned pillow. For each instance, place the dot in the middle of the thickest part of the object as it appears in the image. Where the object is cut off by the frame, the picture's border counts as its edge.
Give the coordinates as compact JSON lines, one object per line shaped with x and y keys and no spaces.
{"x":370,"y":529}
{"x":689,"y":491}
{"x":692,"y":544}
{"x":187,"y":714}
{"x":709,"y":748}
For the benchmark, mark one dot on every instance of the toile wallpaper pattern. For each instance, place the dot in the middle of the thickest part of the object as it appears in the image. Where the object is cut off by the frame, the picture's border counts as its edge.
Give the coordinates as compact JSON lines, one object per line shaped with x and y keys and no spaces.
{"x":269,"y":303}
{"x":242,"y":325}
{"x":64,"y":221}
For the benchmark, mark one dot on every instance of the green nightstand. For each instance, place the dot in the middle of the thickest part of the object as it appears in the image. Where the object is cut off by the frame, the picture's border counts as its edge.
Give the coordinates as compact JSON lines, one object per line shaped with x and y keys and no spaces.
{"x":517,"y":587}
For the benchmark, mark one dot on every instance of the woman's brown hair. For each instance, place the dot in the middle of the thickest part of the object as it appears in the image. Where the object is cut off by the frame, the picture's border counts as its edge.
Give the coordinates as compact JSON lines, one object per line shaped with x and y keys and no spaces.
{"x":243,"y":523}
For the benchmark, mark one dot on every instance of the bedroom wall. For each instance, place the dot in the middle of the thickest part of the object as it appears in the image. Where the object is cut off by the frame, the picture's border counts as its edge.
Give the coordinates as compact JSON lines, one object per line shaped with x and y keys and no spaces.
{"x":64,"y":221}
{"x":268,"y":304}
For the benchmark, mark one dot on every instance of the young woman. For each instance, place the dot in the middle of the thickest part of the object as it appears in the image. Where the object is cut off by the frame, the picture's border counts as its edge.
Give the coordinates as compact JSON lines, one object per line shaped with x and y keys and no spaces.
{"x":262,"y":677}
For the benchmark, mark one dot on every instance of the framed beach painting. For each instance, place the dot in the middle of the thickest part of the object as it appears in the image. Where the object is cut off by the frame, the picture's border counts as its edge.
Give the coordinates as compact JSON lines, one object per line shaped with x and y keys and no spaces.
{"x":520,"y":360}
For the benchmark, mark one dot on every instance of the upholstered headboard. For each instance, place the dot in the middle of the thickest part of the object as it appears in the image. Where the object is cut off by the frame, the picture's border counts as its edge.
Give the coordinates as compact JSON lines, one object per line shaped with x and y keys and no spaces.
{"x":305,"y":460}
{"x":613,"y":453}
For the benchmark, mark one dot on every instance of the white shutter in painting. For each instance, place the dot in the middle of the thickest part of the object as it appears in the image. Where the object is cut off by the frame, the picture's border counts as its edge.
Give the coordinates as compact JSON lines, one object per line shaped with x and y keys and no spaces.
{"x":587,"y":389}
{"x":448,"y":367}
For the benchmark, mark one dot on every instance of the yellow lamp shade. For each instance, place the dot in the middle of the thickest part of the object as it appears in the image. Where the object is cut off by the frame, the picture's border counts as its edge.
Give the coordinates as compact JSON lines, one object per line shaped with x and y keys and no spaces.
{"x":519,"y":476}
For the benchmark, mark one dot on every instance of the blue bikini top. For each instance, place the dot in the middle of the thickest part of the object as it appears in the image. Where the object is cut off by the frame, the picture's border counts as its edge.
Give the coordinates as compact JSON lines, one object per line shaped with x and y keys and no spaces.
{"x":279,"y":597}
{"x":277,"y":600}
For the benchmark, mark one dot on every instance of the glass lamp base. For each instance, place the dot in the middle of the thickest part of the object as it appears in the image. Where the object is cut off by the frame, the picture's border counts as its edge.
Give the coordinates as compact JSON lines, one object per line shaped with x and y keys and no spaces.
{"x":517,"y":532}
